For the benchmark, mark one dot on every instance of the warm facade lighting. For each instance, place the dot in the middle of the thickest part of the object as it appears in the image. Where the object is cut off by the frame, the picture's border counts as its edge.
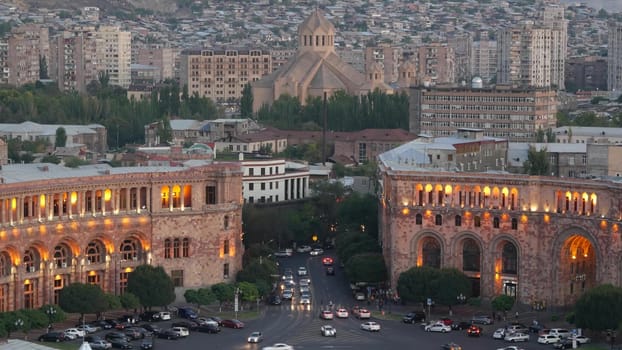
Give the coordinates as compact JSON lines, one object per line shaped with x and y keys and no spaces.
{"x":74,"y":198}
{"x":14,"y":203}
{"x":603,"y":224}
{"x":405,"y":211}
{"x":547,"y":218}
{"x":42,"y":201}
{"x":128,"y":269}
{"x":107,"y":195}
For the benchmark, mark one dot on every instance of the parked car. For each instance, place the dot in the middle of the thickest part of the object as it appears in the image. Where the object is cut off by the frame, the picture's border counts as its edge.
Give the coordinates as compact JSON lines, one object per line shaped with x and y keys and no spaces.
{"x":101,"y":324}
{"x":462,"y":325}
{"x":186,"y":312}
{"x":370,"y":326}
{"x":168,"y":334}
{"x":237,"y":324}
{"x":482,"y":319}
{"x":150,"y":316}
{"x":88,"y":328}
{"x":474,"y":331}
{"x":120,"y":344}
{"x":564,"y":344}
{"x":133,"y":333}
{"x":581,"y":339}
{"x":516,"y":337}
{"x":164,"y":315}
{"x":146,"y":344}
{"x":548,"y":339}
{"x":414,"y":317}
{"x":152,"y":328}
{"x":74,"y":333}
{"x":437,"y":327}
{"x":217,"y":319}
{"x":115,"y":335}
{"x":100,"y":344}
{"x":53,"y":337}
{"x":328,"y":331}
{"x":255,"y":337}
{"x":181,"y":331}
{"x":517,"y":328}
{"x":499,"y":333}
{"x":536,"y":327}
{"x":191,"y":325}
{"x":447,"y":321}
{"x":560,"y":332}
{"x":208,"y":328}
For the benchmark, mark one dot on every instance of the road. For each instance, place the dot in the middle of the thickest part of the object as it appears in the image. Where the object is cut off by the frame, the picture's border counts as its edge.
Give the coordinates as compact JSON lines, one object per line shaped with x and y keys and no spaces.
{"x":299,"y":325}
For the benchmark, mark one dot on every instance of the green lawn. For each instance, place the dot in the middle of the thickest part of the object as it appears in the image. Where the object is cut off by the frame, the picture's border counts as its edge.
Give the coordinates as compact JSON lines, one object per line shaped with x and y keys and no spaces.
{"x":387,"y":316}
{"x":63,"y":346}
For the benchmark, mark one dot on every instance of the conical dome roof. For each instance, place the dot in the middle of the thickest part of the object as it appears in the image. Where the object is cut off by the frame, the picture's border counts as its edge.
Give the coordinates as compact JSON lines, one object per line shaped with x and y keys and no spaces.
{"x":316,"y":21}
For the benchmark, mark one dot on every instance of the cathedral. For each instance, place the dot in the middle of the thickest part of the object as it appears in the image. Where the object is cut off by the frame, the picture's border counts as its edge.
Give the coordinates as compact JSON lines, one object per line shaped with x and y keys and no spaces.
{"x":316,"y":69}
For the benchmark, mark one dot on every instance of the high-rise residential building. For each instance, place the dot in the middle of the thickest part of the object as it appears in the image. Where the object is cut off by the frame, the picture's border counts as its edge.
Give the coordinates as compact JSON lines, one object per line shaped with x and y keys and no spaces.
{"x":515,"y":114}
{"x":435,"y":63}
{"x":4,"y":61}
{"x":158,"y":56}
{"x":114,"y":54}
{"x":280,"y":57}
{"x":586,"y":73}
{"x":28,"y":48}
{"x":221,"y":74}
{"x":534,"y":54}
{"x":73,"y":61}
{"x":462,"y":46}
{"x":484,"y":59}
{"x":614,"y":72}
{"x":388,"y":56}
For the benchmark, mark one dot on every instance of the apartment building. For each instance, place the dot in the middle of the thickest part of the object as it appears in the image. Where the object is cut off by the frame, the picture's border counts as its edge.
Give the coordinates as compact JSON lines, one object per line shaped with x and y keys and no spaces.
{"x":280,"y":57}
{"x":4,"y":61}
{"x":586,"y":73}
{"x":515,"y":114}
{"x":436,"y":63}
{"x":114,"y":54}
{"x":273,"y":180}
{"x":354,"y":57}
{"x":462,"y":45}
{"x":27,"y":45}
{"x":484,"y":59}
{"x":73,"y":58}
{"x":614,"y":73}
{"x":388,"y":56}
{"x":221,"y":74}
{"x":158,"y":56}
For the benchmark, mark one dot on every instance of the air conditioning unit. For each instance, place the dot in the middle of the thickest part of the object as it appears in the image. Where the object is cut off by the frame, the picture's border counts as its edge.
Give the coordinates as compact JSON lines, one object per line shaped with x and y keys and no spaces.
{"x":64,"y":265}
{"x":31,"y":269}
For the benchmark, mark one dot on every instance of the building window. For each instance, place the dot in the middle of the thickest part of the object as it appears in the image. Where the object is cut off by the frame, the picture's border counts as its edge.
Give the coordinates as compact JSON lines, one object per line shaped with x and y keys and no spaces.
{"x":477,"y":221}
{"x":470,"y":255}
{"x":122,"y":282}
{"x":167,"y":248}
{"x":210,"y":195}
{"x":263,"y":171}
{"x":438,"y":220}
{"x":458,"y":220}
{"x":185,"y":248}
{"x":176,"y":246}
{"x":29,"y":296}
{"x":509,"y":258}
{"x":263,"y":186}
{"x":251,"y":186}
{"x":251,"y":172}
{"x":418,"y":219}
{"x":225,"y":270}
{"x":226,"y":221}
{"x":225,"y":247}
{"x":178,"y":278}
{"x":495,"y":222}
{"x":514,"y":224}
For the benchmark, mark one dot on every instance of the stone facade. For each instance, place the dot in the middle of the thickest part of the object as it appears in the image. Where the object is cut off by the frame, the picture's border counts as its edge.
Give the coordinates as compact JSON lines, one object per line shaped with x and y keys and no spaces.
{"x":96,"y":225}
{"x":541,"y":239}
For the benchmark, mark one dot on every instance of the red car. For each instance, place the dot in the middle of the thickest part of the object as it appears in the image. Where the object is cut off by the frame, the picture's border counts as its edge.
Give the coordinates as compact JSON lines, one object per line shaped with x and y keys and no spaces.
{"x":327,"y":261}
{"x":447,"y":321}
{"x":474,"y":331}
{"x":232,"y":324}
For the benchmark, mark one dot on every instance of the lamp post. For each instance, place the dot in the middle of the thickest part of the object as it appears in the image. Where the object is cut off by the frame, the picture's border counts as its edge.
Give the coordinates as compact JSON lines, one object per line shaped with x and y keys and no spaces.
{"x":461,"y":298}
{"x":19,"y":323}
{"x":236,"y":302}
{"x":51,"y":311}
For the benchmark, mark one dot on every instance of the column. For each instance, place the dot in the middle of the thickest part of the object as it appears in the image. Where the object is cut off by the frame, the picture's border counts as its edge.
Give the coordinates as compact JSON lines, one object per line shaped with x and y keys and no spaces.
{"x":2,"y":212}
{"x":69,"y":204}
{"x":102,"y":201}
{"x":20,"y":209}
{"x":127,"y":198}
{"x":116,"y":203}
{"x":170,"y":198}
{"x":138,"y":204}
{"x":93,"y":204}
{"x":48,"y":206}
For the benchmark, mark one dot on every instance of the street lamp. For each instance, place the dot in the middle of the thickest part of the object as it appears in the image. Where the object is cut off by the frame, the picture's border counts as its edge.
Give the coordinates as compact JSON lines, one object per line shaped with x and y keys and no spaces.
{"x":19,"y":323}
{"x":461,"y":298}
{"x":51,"y":311}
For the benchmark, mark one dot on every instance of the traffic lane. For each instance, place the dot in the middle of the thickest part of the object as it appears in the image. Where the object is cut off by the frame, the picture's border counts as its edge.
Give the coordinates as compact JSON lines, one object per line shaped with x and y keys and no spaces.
{"x":327,"y":288}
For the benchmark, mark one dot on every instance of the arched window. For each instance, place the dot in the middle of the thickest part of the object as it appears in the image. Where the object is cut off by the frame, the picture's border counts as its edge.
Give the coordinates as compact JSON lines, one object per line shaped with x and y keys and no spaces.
{"x":438,"y":220}
{"x":129,"y":249}
{"x":31,"y":260}
{"x":176,"y":247}
{"x":514,"y":224}
{"x":185,"y":247}
{"x":418,"y":219}
{"x":509,"y":259}
{"x":62,"y":256}
{"x":167,"y":248}
{"x":226,"y":223}
{"x":477,"y":221}
{"x":431,"y":253}
{"x":458,"y":220}
{"x":495,"y":222}
{"x":95,"y":252}
{"x":5,"y":264}
{"x":470,"y":255}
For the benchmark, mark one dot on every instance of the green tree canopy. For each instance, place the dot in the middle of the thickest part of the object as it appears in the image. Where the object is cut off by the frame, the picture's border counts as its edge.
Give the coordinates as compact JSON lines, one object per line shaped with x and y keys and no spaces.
{"x":152,"y":285}
{"x":366,"y":267}
{"x":502,"y":303}
{"x":248,"y":291}
{"x":61,"y":137}
{"x":201,"y":296}
{"x":417,"y":284}
{"x":224,"y":292}
{"x":246,"y":102}
{"x":259,"y":272}
{"x":82,"y":298}
{"x":599,"y":308}
{"x":129,"y":301}
{"x":537,"y":162}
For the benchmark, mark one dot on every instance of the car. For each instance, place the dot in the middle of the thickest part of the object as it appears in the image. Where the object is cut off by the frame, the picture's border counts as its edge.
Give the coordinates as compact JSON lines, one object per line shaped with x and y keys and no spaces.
{"x":201,"y":321}
{"x":326,"y":315}
{"x":303,"y":249}
{"x":216,"y":319}
{"x":152,"y":328}
{"x":305,"y":289}
{"x":306,"y":280}
{"x":499,"y":333}
{"x":414,"y":317}
{"x":447,"y":321}
{"x":560,"y":332}
{"x":328,"y":261}
{"x":437,"y":327}
{"x":133,"y":333}
{"x":100,"y":344}
{"x":328,"y":331}
{"x":150,"y":316}
{"x":565,"y":344}
{"x":330,"y":271}
{"x":233,"y":323}
{"x":208,"y":328}
{"x":274,"y":300}
{"x":451,"y":346}
{"x":146,"y":344}
{"x":87,"y":328}
{"x":370,"y":326}
{"x":517,"y":328}
{"x":278,"y":346}
{"x":120,"y":344}
{"x":181,"y":331}
{"x":363,"y":314}
{"x":581,"y":339}
{"x":461,"y":325}
{"x":164,"y":315}
{"x":302,"y":271}
{"x":115,"y":335}
{"x":516,"y":337}
{"x":511,"y":347}
{"x":287,"y":295}
{"x":342,"y":313}
{"x":101,"y":324}
{"x":305,"y":299}
{"x":359,"y":296}
{"x":548,"y":339}
{"x":482,"y":319}
{"x":186,"y":312}
{"x":69,"y":336}
{"x":75,"y":332}
{"x":123,"y":325}
{"x":168,"y":334}
{"x":536,"y":327}
{"x":53,"y":337}
{"x":190,"y":325}
{"x":474,"y":331}
{"x":316,"y":252}
{"x":255,"y":337}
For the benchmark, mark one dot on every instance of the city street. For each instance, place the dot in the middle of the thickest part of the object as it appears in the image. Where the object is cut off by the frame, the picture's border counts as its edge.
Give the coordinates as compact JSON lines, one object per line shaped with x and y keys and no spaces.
{"x":299,"y":325}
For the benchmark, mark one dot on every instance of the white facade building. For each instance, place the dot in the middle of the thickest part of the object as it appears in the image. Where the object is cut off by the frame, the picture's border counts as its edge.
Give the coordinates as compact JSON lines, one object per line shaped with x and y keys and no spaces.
{"x":274,"y":180}
{"x":114,"y":54}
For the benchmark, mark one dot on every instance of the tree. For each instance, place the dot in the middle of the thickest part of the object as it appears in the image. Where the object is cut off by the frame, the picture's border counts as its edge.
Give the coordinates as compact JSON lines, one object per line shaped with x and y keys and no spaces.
{"x":502,"y":303}
{"x":259,"y":272}
{"x":151,"y":285}
{"x":537,"y":162}
{"x":366,"y":267}
{"x":61,"y":137}
{"x":201,"y":296}
{"x":450,"y":284}
{"x":417,"y":284}
{"x":113,"y":301}
{"x":600,"y":308}
{"x":224,"y":292}
{"x":129,"y":301}
{"x":50,"y":158}
{"x":246,"y":102}
{"x":103,"y":78}
{"x":165,"y":132}
{"x":83,"y":299}
{"x":248,"y":291}
{"x":43,"y":68}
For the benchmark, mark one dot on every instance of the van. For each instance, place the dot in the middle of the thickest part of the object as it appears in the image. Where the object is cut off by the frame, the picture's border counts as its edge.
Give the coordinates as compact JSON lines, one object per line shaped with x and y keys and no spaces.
{"x":560,"y":332}
{"x":186,"y":312}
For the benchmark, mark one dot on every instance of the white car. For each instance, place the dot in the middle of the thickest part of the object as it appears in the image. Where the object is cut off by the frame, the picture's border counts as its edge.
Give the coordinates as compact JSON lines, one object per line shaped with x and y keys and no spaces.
{"x":370,"y":326}
{"x":100,"y":344}
{"x":342,"y":313}
{"x":316,"y":252}
{"x":278,"y":346}
{"x":327,"y":315}
{"x":328,"y":331}
{"x":499,"y":334}
{"x":165,"y":316}
{"x":181,"y":331}
{"x":438,"y":327}
{"x":206,"y":321}
{"x":548,"y":339}
{"x":303,"y":249}
{"x":305,"y":280}
{"x":302,"y":271}
{"x":77,"y":333}
{"x":255,"y":337}
{"x":516,"y":337}
{"x":581,"y":339}
{"x":87,"y":328}
{"x":363,"y":314}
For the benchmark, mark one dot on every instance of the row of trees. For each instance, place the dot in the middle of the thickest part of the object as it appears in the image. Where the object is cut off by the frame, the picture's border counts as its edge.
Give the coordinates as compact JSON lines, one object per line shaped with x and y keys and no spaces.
{"x":442,"y":285}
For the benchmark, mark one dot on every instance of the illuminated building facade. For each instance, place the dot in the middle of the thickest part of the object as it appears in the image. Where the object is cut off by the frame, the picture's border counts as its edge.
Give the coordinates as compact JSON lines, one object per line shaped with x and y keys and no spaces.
{"x":543,"y":240}
{"x":97,"y":224}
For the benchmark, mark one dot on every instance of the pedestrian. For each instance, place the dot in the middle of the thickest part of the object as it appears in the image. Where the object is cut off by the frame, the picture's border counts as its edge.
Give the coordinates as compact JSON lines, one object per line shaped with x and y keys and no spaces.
{"x":516,"y":314}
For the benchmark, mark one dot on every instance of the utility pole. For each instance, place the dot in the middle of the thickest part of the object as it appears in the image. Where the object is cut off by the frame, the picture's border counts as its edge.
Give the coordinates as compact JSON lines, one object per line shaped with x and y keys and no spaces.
{"x":324,"y":126}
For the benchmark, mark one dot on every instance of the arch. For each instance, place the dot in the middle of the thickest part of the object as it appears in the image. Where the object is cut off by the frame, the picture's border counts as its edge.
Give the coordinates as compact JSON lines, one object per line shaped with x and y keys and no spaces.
{"x":506,"y":252}
{"x":509,"y":258}
{"x":428,"y":247}
{"x":95,"y":252}
{"x":471,"y":255}
{"x":31,"y":258}
{"x":6,"y":263}
{"x":62,"y":256}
